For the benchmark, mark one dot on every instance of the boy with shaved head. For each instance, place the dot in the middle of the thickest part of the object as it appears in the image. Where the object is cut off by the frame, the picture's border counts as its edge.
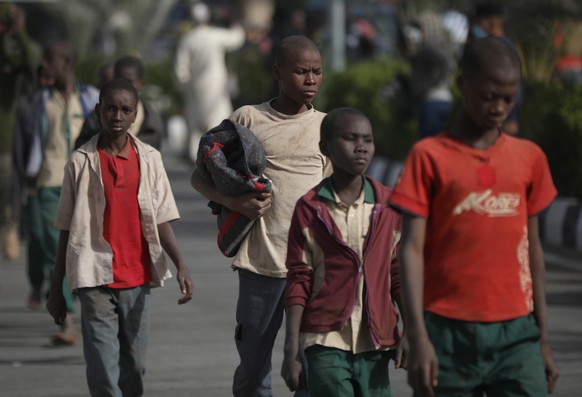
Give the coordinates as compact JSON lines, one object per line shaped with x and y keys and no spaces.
{"x":288,"y":129}
{"x":472,"y":261}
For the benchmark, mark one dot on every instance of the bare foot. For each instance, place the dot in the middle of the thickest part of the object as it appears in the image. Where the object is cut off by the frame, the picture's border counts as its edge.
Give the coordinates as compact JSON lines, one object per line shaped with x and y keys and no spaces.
{"x":69,"y":336}
{"x":34,"y":299}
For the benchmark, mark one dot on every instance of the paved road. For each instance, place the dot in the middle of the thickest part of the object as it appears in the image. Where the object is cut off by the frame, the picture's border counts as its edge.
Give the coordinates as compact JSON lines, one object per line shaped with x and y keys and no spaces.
{"x":191,"y":347}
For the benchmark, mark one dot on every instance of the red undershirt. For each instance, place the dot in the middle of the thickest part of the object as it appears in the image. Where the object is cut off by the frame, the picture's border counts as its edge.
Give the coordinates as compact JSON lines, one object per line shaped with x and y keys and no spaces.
{"x":122,"y":221}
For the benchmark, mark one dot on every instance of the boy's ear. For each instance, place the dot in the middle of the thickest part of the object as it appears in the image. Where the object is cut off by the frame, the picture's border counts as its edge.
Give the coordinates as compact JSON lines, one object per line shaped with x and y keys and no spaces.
{"x":97,"y":107}
{"x":276,"y":72}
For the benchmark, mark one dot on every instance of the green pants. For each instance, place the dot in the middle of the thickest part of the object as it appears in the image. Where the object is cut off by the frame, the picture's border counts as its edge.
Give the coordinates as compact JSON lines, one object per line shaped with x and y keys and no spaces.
{"x":44,"y":237}
{"x":500,"y":359}
{"x":338,"y":373}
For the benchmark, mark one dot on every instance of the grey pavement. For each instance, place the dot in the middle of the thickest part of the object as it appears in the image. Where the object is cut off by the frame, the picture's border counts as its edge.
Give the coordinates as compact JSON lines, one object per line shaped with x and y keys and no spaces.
{"x":191,"y":349}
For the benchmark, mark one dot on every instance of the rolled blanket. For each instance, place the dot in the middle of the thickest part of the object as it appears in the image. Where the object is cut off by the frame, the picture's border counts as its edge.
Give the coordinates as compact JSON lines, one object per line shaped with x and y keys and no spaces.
{"x":231,"y":158}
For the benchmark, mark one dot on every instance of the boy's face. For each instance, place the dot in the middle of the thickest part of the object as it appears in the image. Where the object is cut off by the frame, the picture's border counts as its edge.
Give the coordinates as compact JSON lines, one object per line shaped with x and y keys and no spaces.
{"x":117,"y":111}
{"x":352,"y":146}
{"x":489,"y":96}
{"x":55,"y":65}
{"x":300,"y":76}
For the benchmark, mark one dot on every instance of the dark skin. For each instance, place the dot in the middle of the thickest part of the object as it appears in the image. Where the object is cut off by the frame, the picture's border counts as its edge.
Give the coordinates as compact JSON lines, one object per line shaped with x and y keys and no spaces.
{"x":350,"y":151}
{"x":488,"y":97}
{"x":299,"y":79}
{"x":117,"y":113}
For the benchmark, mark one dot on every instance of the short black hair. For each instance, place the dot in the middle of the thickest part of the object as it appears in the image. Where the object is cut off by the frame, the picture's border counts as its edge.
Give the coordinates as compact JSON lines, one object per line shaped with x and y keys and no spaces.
{"x":290,"y":44}
{"x":488,"y":9}
{"x":333,"y":120}
{"x":61,"y":48}
{"x":489,"y":52}
{"x":129,"y":61}
{"x":118,"y":84}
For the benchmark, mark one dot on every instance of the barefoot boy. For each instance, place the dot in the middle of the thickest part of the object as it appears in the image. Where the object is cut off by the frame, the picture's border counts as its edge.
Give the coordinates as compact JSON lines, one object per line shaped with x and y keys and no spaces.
{"x":472,"y":262}
{"x":114,"y":214}
{"x":343,"y":274}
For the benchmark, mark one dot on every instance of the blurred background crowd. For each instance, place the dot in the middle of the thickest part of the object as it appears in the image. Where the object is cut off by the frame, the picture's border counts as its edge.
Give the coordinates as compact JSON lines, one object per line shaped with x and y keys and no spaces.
{"x":394,"y":59}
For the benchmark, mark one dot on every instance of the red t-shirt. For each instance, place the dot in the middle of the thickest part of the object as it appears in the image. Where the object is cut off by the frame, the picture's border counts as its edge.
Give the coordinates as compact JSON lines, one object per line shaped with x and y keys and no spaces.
{"x":477,"y":203}
{"x":122,"y":221}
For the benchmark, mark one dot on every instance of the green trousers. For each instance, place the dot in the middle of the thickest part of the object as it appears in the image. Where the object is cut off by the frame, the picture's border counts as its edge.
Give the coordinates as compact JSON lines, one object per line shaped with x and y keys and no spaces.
{"x":338,"y":373}
{"x":499,"y":359}
{"x":43,"y":239}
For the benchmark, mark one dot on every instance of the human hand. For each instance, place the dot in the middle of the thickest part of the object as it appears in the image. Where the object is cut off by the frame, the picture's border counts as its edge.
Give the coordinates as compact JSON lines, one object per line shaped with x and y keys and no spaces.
{"x":402,"y":351}
{"x":252,"y":205}
{"x":186,"y":285}
{"x":57,"y":306}
{"x":422,"y":365}
{"x":293,"y":373}
{"x":551,"y":369}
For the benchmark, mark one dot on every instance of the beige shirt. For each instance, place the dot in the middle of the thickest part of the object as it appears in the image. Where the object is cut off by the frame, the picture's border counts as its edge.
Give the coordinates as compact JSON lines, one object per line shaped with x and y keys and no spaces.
{"x":64,"y":123}
{"x":353,"y":223}
{"x":294,"y":165}
{"x":82,"y":205}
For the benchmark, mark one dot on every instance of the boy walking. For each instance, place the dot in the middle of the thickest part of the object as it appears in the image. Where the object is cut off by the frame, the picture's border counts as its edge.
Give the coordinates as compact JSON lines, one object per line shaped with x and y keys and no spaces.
{"x":59,"y":112}
{"x":472,"y":262}
{"x":114,"y":212}
{"x":343,"y":276}
{"x":288,"y":129}
{"x":148,"y":125}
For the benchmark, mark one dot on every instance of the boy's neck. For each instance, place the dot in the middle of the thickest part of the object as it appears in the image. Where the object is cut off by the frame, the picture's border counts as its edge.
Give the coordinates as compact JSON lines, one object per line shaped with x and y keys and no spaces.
{"x":467,"y":132}
{"x":347,"y":187}
{"x":288,"y":107}
{"x":66,"y":88}
{"x":112,"y":146}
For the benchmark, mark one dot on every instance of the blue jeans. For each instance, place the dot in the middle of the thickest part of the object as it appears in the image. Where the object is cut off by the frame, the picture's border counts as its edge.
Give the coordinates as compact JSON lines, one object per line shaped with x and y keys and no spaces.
{"x":259,"y":315}
{"x":115,"y":325}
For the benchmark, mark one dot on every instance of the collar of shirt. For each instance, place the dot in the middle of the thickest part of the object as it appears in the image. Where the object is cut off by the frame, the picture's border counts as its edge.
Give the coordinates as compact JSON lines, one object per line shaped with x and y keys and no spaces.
{"x":327,"y":191}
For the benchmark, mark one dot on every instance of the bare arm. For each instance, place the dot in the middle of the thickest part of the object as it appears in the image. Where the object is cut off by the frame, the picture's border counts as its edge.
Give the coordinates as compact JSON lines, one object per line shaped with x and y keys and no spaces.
{"x":403,"y":347}
{"x":402,"y":350}
{"x":252,"y":205}
{"x":422,"y":361}
{"x":292,"y":369}
{"x":538,"y":274}
{"x":168,"y":241}
{"x":56,"y":304}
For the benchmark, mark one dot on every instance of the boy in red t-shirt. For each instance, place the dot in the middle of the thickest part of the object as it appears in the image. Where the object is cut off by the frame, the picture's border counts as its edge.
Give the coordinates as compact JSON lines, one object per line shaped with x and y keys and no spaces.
{"x":114,"y":214}
{"x":472,"y":261}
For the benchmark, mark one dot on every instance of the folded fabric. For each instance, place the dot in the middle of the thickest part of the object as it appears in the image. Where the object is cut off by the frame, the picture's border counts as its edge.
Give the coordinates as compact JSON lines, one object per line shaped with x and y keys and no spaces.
{"x":231,"y":158}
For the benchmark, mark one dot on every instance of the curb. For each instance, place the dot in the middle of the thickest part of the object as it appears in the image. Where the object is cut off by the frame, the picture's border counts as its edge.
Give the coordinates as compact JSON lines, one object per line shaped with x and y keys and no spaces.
{"x":560,"y":223}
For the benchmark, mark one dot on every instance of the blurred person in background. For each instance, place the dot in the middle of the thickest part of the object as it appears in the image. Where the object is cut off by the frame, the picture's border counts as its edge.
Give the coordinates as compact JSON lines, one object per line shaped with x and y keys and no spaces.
{"x":489,"y":20}
{"x":17,"y":68}
{"x":148,"y":125}
{"x":22,"y":187}
{"x":59,"y":112}
{"x":201,"y":73}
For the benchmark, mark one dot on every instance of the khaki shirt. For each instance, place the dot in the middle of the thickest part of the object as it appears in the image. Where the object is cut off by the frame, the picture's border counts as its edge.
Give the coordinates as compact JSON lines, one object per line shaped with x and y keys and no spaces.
{"x":294,"y":165}
{"x":82,"y":204}
{"x":64,"y":122}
